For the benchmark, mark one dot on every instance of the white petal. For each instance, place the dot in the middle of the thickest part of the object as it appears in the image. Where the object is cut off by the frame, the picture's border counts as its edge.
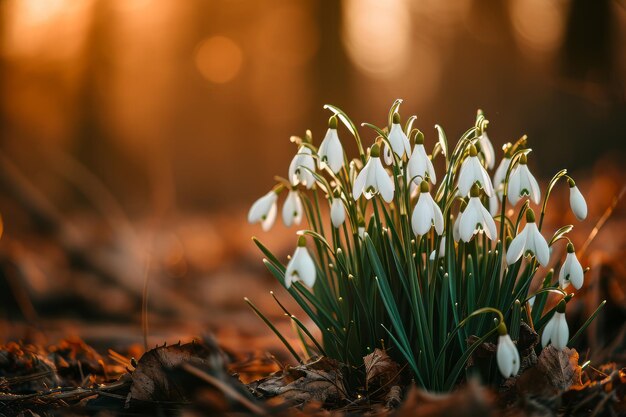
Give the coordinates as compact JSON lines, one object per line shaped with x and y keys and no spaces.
{"x":494,"y":204}
{"x":564,"y":273}
{"x":485,"y":180}
{"x":577,"y":203}
{"x":384,"y":183}
{"x":337,"y":212}
{"x":422,"y":217}
{"x":517,"y":246}
{"x":466,"y":177}
{"x":270,"y":218}
{"x":506,"y":356}
{"x":291,"y":208}
{"x":359,"y":183}
{"x":571,"y":272}
{"x":469,"y":219}
{"x":537,"y":244}
{"x":489,"y":225}
{"x":261,"y":207}
{"x":438,"y":217}
{"x":535,"y":191}
{"x":371,"y":186}
{"x":387,"y":155}
{"x":397,"y":139}
{"x":456,"y":233}
{"x":500,"y":174}
{"x":514,"y":190}
{"x":487,"y":148}
{"x":546,"y":336}
{"x":560,"y":331}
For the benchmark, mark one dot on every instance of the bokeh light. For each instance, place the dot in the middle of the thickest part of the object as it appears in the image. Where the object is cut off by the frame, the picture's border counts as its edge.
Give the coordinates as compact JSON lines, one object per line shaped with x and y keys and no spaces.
{"x":219,"y":59}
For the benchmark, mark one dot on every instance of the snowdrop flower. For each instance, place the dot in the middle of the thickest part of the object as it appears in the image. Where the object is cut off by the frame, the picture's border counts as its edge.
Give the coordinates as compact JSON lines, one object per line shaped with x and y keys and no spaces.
{"x":507,"y":355}
{"x":456,"y":234}
{"x":473,"y":172}
{"x":301,"y":167}
{"x":500,"y":175}
{"x":476,"y":218}
{"x":529,"y":241}
{"x":301,"y":266}
{"x":264,"y":209}
{"x":330,"y":152}
{"x":420,"y":165}
{"x":577,"y":201}
{"x":337,"y":212}
{"x":292,"y":209}
{"x":556,"y":331}
{"x":373,"y":179}
{"x":523,"y":183}
{"x":426,"y":213}
{"x":442,"y":250}
{"x":397,"y":138}
{"x":487,"y":148}
{"x":571,"y":271}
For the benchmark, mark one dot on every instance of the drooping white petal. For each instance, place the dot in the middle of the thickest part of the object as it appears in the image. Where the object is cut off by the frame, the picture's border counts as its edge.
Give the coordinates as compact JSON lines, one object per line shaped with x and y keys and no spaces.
{"x":442,"y":250}
{"x":419,"y":165}
{"x":560,"y":332}
{"x":292,"y":209}
{"x":301,"y":267}
{"x":437,"y":217}
{"x":359,"y":183}
{"x":577,"y":203}
{"x":537,"y":244}
{"x":571,"y":272}
{"x":466,"y":179}
{"x":469,"y":220}
{"x":399,"y":142}
{"x":517,"y":247}
{"x":331,"y":152}
{"x":423,"y":215}
{"x":514,"y":190}
{"x":487,"y":148}
{"x":494,"y":204}
{"x":471,"y":172}
{"x":384,"y":183}
{"x":264,"y":211}
{"x":500,"y":175}
{"x":371,"y":187}
{"x":507,"y":356}
{"x":337,"y":212}
{"x":548,"y":331}
{"x":301,"y":167}
{"x":456,"y":232}
{"x":489,"y":225}
{"x":535,"y":191}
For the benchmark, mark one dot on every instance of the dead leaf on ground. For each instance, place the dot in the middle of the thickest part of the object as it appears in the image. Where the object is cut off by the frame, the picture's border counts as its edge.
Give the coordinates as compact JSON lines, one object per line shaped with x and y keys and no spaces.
{"x":556,"y":371}
{"x":380,"y":370}
{"x":319,"y":381}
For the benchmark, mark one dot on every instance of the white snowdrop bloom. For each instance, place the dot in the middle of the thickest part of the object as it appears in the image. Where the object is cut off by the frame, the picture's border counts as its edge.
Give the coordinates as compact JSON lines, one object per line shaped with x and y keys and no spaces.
{"x":397,"y":138}
{"x":571,"y":270}
{"x":420,"y":165}
{"x":529,"y":241}
{"x":523,"y":183}
{"x":337,"y":212}
{"x":264,"y":210}
{"x":487,"y":148}
{"x":292,"y":209}
{"x":556,"y":331}
{"x":373,"y":179}
{"x":577,"y":201}
{"x":473,"y":172}
{"x":456,"y":234}
{"x":301,"y":168}
{"x":500,"y":174}
{"x":476,"y":218}
{"x":301,"y":266}
{"x":442,"y":250}
{"x":330,"y":152}
{"x":426,"y":213}
{"x":507,"y":355}
{"x":494,"y":204}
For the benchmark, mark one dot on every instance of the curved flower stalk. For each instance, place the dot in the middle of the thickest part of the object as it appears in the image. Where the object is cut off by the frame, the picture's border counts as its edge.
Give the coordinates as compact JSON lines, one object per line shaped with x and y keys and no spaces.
{"x":522,"y":183}
{"x":572,"y":271}
{"x":472,"y":172}
{"x":292,"y":209}
{"x":301,"y":267}
{"x":426,"y":213}
{"x":330,"y":152}
{"x":476,"y":218}
{"x":373,"y":179}
{"x":507,"y":355}
{"x":556,"y":331}
{"x":417,"y":262}
{"x":264,"y":210}
{"x":529,"y":241}
{"x":420,"y":166}
{"x":577,"y":201}
{"x":302,"y":167}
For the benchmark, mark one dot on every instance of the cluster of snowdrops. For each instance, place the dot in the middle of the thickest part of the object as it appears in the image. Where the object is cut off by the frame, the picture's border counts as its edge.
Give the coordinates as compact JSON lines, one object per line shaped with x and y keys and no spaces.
{"x":415,"y":261}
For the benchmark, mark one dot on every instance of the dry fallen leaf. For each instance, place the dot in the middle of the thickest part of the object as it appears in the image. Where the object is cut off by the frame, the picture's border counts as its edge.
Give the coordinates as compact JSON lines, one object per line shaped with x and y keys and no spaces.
{"x":556,"y":371}
{"x":469,"y":400}
{"x":380,"y":370}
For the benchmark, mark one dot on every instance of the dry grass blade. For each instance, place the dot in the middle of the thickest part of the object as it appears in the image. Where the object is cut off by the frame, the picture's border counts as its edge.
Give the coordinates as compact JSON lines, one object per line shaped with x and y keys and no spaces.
{"x":607,"y":214}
